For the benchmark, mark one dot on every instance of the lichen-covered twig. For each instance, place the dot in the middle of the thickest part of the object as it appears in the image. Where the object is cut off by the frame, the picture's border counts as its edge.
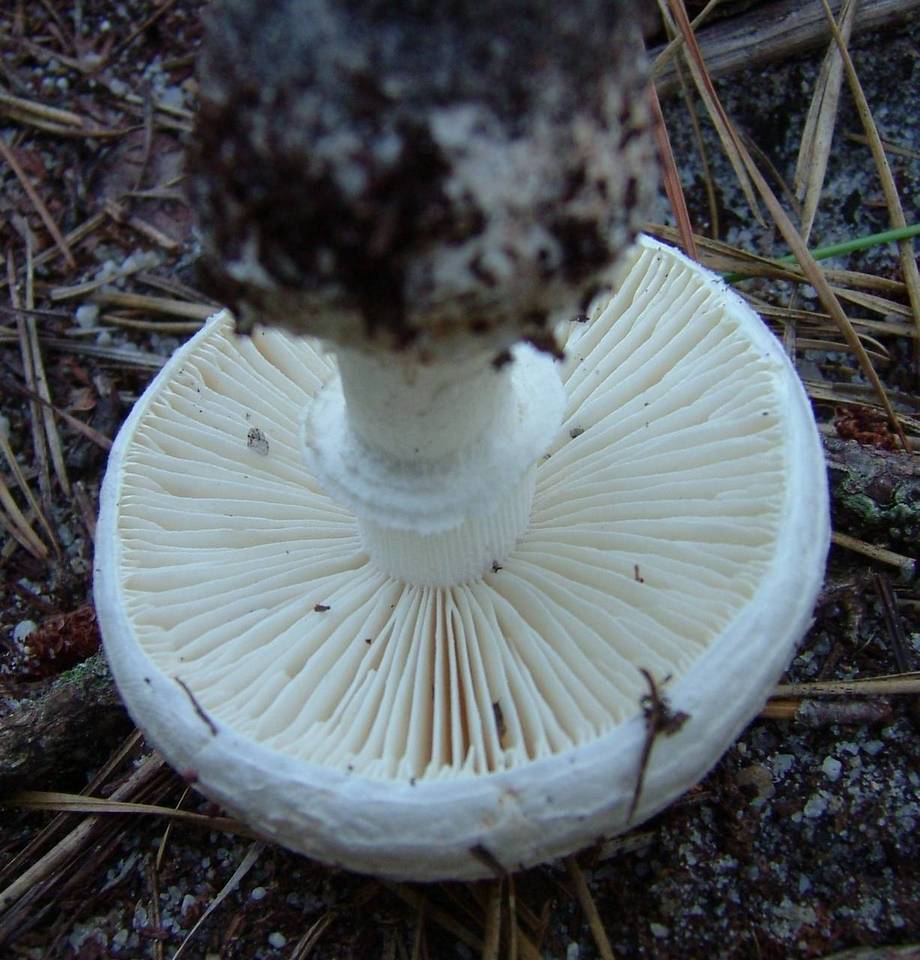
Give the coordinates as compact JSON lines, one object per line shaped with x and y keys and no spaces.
{"x":57,"y":727}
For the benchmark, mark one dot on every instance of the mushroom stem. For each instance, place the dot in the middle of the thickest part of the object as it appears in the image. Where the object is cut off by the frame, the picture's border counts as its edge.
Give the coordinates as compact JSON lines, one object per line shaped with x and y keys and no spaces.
{"x":421,"y":412}
{"x":436,"y":460}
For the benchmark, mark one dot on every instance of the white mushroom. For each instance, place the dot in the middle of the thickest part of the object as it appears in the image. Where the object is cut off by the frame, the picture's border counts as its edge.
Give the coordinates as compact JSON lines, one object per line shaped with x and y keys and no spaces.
{"x":396,"y":599}
{"x":429,"y":725}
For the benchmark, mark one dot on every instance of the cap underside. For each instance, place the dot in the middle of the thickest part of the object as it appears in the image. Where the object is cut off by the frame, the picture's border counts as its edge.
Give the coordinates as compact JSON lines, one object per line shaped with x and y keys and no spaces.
{"x":655,"y":516}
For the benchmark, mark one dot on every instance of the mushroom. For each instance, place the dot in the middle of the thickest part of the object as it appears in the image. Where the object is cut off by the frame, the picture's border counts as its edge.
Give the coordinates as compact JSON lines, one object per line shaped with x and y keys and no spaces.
{"x":417,"y":598}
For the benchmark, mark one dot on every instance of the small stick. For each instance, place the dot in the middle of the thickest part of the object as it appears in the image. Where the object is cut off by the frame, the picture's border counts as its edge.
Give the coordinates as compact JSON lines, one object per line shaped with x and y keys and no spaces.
{"x":197,"y":707}
{"x":149,"y":231}
{"x":777,"y":31}
{"x":87,"y":510}
{"x":906,"y":565}
{"x":824,"y":713}
{"x":659,"y":718}
{"x":902,"y":684}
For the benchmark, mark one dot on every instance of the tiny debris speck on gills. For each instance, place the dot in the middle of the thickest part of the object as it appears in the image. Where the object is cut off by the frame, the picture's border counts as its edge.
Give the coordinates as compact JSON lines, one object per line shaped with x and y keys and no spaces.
{"x":402,"y":174}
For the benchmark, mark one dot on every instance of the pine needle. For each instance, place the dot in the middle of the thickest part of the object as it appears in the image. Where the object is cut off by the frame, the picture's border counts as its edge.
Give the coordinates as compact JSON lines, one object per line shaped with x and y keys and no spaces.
{"x":589,"y":907}
{"x":893,"y":201}
{"x":784,"y":224}
{"x":818,"y":135}
{"x":252,"y":854}
{"x":37,"y":202}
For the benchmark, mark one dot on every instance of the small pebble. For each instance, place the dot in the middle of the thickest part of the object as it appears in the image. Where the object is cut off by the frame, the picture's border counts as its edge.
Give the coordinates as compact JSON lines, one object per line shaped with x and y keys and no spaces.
{"x":659,"y":930}
{"x":816,"y":806}
{"x":782,"y":764}
{"x":873,"y":747}
{"x":23,"y":629}
{"x":141,"y":917}
{"x":832,"y":767}
{"x":258,"y":893}
{"x":87,"y":315}
{"x":277,"y":940}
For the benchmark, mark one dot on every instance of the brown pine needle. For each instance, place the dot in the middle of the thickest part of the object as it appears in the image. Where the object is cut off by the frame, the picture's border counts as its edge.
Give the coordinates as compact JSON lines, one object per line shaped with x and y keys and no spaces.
{"x":77,"y":803}
{"x":23,"y":485}
{"x":41,"y":393}
{"x":818,"y":136}
{"x":493,"y":921}
{"x":309,"y":940}
{"x":149,"y":231}
{"x":76,"y":840}
{"x":785,"y":225}
{"x":19,"y":526}
{"x":892,"y":200}
{"x":37,"y":202}
{"x":589,"y":907}
{"x":667,"y":54}
{"x":672,"y":183}
{"x":419,"y":931}
{"x":84,"y":429}
{"x":172,"y":327}
{"x":512,"y":920}
{"x":64,"y":117}
{"x":730,"y":141}
{"x":441,"y":917}
{"x":252,"y":854}
{"x":159,"y":305}
{"x":887,"y":144}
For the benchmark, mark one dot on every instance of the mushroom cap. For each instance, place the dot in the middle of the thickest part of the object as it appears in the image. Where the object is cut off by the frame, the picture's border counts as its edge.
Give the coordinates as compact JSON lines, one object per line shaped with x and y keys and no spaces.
{"x":680,"y":526}
{"x":410,"y":175}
